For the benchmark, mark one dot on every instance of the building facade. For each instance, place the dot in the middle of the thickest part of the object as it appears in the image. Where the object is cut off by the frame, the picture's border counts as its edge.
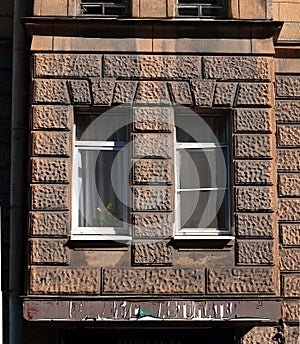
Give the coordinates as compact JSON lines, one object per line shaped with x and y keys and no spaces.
{"x":159,"y":196}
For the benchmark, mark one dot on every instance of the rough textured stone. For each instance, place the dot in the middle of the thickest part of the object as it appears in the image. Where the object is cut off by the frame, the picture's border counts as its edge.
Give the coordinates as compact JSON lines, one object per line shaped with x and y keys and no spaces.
{"x":46,"y":280}
{"x":102,"y":91}
{"x":288,"y":86}
{"x":203,"y":92}
{"x":52,"y":116}
{"x":80,"y":91}
{"x":254,"y":199}
{"x":50,"y":224}
{"x":255,"y":252}
{"x":238,"y":68}
{"x":124,"y":92}
{"x":67,"y":65}
{"x":255,"y":225}
{"x":254,"y":172}
{"x":288,"y":160}
{"x":253,"y":146}
{"x":253,"y":120}
{"x":288,"y":135}
{"x":290,"y":234}
{"x":181,"y":93}
{"x":149,"y":225}
{"x":259,"y":335}
{"x":289,"y":209}
{"x":152,"y":171}
{"x":51,"y":143}
{"x":152,"y":199}
{"x":255,"y":94}
{"x":291,"y":285}
{"x":153,"y":119}
{"x":50,"y":197}
{"x":152,"y":92}
{"x":50,"y":170}
{"x":225,"y":94}
{"x":153,"y":281}
{"x":241,"y":281}
{"x":152,"y":253}
{"x":287,"y":110}
{"x":292,"y":334}
{"x":50,"y":91}
{"x":49,"y":251}
{"x":291,"y":311}
{"x":290,"y":260}
{"x":152,"y":146}
{"x":152,"y":66}
{"x":289,"y":185}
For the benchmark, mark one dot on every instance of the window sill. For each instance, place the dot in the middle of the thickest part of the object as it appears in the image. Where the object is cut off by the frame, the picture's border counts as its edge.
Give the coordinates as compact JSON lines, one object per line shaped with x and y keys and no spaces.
{"x":204,"y":237}
{"x":203,"y":241}
{"x":113,"y":241}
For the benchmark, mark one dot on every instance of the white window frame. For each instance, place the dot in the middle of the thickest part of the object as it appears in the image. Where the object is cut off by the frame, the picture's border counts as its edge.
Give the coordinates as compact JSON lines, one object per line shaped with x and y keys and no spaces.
{"x":202,"y":233}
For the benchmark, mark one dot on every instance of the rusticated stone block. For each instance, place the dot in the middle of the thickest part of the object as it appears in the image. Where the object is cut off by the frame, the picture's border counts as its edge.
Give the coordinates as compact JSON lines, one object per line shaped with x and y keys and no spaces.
{"x":102,"y":91}
{"x":152,"y":199}
{"x":255,"y":94}
{"x":291,"y":285}
{"x":254,"y":172}
{"x":290,"y":234}
{"x":288,"y":135}
{"x":287,"y":110}
{"x":290,"y":260}
{"x":124,"y":92}
{"x":152,"y":172}
{"x":51,"y":143}
{"x":152,"y":253}
{"x":153,"y":119}
{"x":252,"y":120}
{"x":289,"y":185}
{"x":288,"y":86}
{"x":253,"y":146}
{"x":254,"y":199}
{"x":203,"y":92}
{"x":50,"y":91}
{"x":152,"y":66}
{"x":288,"y":160}
{"x":255,"y":252}
{"x":67,"y":65}
{"x":238,"y":68}
{"x":292,"y":334}
{"x":50,"y":224}
{"x":80,"y":91}
{"x":152,"y":92}
{"x":49,"y":251}
{"x":259,"y":335}
{"x":289,"y":209}
{"x":149,"y":225}
{"x":50,"y":197}
{"x":153,"y":281}
{"x":255,"y":225}
{"x":50,"y":170}
{"x":46,"y":280}
{"x":52,"y":116}
{"x":152,"y":146}
{"x":241,"y":281}
{"x":225,"y":94}
{"x":181,"y":93}
{"x":291,"y":311}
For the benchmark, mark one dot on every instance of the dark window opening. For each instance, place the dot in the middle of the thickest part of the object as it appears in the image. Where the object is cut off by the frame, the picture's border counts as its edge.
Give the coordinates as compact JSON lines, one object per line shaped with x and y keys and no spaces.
{"x":204,"y":8}
{"x":117,"y":8}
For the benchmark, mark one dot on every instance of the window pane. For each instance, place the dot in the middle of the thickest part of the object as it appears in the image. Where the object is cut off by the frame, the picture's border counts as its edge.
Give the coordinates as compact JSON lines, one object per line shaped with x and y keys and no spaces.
{"x":101,"y":176}
{"x":203,"y":209}
{"x":195,"y":128}
{"x":188,"y":11}
{"x":202,"y":168}
{"x":106,"y":127}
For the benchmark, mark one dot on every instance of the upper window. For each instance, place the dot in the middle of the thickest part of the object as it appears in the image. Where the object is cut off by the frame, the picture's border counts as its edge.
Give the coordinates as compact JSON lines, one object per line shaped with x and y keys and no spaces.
{"x":196,"y":8}
{"x":202,"y":193}
{"x":104,"y":7}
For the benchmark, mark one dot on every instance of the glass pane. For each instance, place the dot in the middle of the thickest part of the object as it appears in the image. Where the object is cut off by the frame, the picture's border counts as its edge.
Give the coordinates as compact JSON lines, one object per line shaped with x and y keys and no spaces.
{"x":195,"y":128}
{"x":212,"y":11}
{"x":202,"y":168}
{"x":101,"y":178}
{"x":204,"y":209}
{"x":188,"y":11}
{"x":105,"y":127}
